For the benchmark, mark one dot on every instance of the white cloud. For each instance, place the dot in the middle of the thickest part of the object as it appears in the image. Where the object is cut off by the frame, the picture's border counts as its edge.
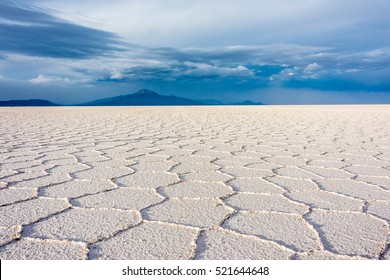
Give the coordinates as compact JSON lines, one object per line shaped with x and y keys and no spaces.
{"x":116,"y":75}
{"x":42,"y":79}
{"x":312,"y":67}
{"x":226,"y":22}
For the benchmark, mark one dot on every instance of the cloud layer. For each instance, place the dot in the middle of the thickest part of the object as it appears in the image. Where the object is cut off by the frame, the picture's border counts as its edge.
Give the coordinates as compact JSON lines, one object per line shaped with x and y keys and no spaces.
{"x":28,"y":30}
{"x":42,"y":48}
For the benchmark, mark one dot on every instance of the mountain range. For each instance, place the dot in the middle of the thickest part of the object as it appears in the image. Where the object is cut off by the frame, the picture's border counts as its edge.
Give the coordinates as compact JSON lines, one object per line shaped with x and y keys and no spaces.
{"x":143,"y":97}
{"x":29,"y":102}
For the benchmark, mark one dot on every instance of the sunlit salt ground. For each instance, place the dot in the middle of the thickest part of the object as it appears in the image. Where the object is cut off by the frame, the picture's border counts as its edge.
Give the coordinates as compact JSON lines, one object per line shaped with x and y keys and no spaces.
{"x":270,"y":182}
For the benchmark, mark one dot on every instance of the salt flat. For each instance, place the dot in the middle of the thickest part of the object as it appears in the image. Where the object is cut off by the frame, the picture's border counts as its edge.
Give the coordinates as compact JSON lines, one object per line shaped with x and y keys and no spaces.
{"x":270,"y":182}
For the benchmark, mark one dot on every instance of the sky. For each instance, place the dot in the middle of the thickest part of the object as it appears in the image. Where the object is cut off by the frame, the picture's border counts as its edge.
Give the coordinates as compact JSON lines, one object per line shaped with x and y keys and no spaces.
{"x":275,"y":52}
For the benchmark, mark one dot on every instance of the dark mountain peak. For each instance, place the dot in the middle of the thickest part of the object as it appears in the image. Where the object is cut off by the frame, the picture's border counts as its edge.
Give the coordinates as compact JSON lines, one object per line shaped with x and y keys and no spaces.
{"x":246,"y":102}
{"x":27,"y":103}
{"x":146,"y":93}
{"x":145,"y":97}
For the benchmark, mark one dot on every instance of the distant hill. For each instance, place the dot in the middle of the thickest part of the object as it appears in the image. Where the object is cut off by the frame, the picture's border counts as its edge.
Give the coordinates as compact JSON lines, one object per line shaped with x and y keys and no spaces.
{"x":27,"y":103}
{"x":143,"y":97}
{"x":246,"y":102}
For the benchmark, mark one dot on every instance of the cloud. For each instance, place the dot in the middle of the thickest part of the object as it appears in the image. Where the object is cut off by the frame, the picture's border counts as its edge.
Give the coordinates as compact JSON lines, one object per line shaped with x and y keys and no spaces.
{"x":347,"y":24}
{"x":29,"y":30}
{"x":42,"y":79}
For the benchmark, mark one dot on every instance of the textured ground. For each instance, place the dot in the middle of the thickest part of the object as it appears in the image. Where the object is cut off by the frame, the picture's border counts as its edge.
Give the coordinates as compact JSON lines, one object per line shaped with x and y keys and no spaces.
{"x":271,"y":182}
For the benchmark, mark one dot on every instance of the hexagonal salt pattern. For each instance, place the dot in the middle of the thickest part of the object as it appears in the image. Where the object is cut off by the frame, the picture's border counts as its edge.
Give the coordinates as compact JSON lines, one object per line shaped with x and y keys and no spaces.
{"x":35,"y":249}
{"x":340,"y":234}
{"x":258,"y":182}
{"x":152,"y":241}
{"x":85,"y":225}
{"x":224,"y":245}
{"x":191,"y":212}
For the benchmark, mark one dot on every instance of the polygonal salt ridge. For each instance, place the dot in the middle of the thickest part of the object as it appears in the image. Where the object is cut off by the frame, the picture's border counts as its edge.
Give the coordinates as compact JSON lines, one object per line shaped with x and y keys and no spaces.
{"x":159,"y":241}
{"x":181,"y":168}
{"x":286,"y":160}
{"x":334,"y":173}
{"x":87,"y":152}
{"x":288,"y":230}
{"x":85,"y":225}
{"x":153,"y":166}
{"x":197,"y":147}
{"x":48,"y":180}
{"x":18,"y":177}
{"x":13,"y":153}
{"x":296,"y":172}
{"x":192,"y":159}
{"x":151,"y":158}
{"x":12,"y":195}
{"x":63,"y":161}
{"x":68,"y":168}
{"x":265,"y":202}
{"x":233,"y":161}
{"x":112,"y":163}
{"x":174,"y":152}
{"x":383,"y":156}
{"x":354,"y":189}
{"x":7,"y":234}
{"x":148,"y":180}
{"x":37,"y":249}
{"x":269,"y":151}
{"x":15,"y":159}
{"x":42,"y":167}
{"x":345,"y":156}
{"x":380,"y":209}
{"x":327,"y":200}
{"x":328,"y":164}
{"x":77,"y":188}
{"x":195,"y":189}
{"x":340,"y":235}
{"x":255,"y":185}
{"x":250,"y":154}
{"x":143,"y":151}
{"x":91,"y":159}
{"x":226,"y":148}
{"x":103,"y":172}
{"x":122,"y":198}
{"x":57,"y":156}
{"x":207,"y":176}
{"x":381,"y":182}
{"x":20,"y":165}
{"x":263,"y":165}
{"x":30,"y":211}
{"x":368,"y":170}
{"x":368,"y":162}
{"x":194,"y":212}
{"x":7,"y":173}
{"x":227,"y":245}
{"x":244,"y":172}
{"x":323,"y":255}
{"x":214,"y":154}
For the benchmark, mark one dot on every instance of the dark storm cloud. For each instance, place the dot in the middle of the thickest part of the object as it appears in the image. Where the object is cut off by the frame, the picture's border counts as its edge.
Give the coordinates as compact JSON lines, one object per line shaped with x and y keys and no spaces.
{"x":29,"y":30}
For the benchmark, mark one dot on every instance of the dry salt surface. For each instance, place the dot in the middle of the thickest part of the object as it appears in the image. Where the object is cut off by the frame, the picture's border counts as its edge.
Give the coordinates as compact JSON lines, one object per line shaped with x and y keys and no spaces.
{"x":268,"y":182}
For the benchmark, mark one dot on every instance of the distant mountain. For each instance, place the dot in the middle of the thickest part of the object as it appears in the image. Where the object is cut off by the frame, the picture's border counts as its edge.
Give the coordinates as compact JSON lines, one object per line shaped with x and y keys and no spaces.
{"x":246,"y":102}
{"x":143,"y":97}
{"x":27,"y":103}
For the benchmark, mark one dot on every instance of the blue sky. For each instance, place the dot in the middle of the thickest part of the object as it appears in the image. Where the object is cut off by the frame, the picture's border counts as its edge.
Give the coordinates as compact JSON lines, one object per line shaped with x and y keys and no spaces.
{"x":277,"y":52}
